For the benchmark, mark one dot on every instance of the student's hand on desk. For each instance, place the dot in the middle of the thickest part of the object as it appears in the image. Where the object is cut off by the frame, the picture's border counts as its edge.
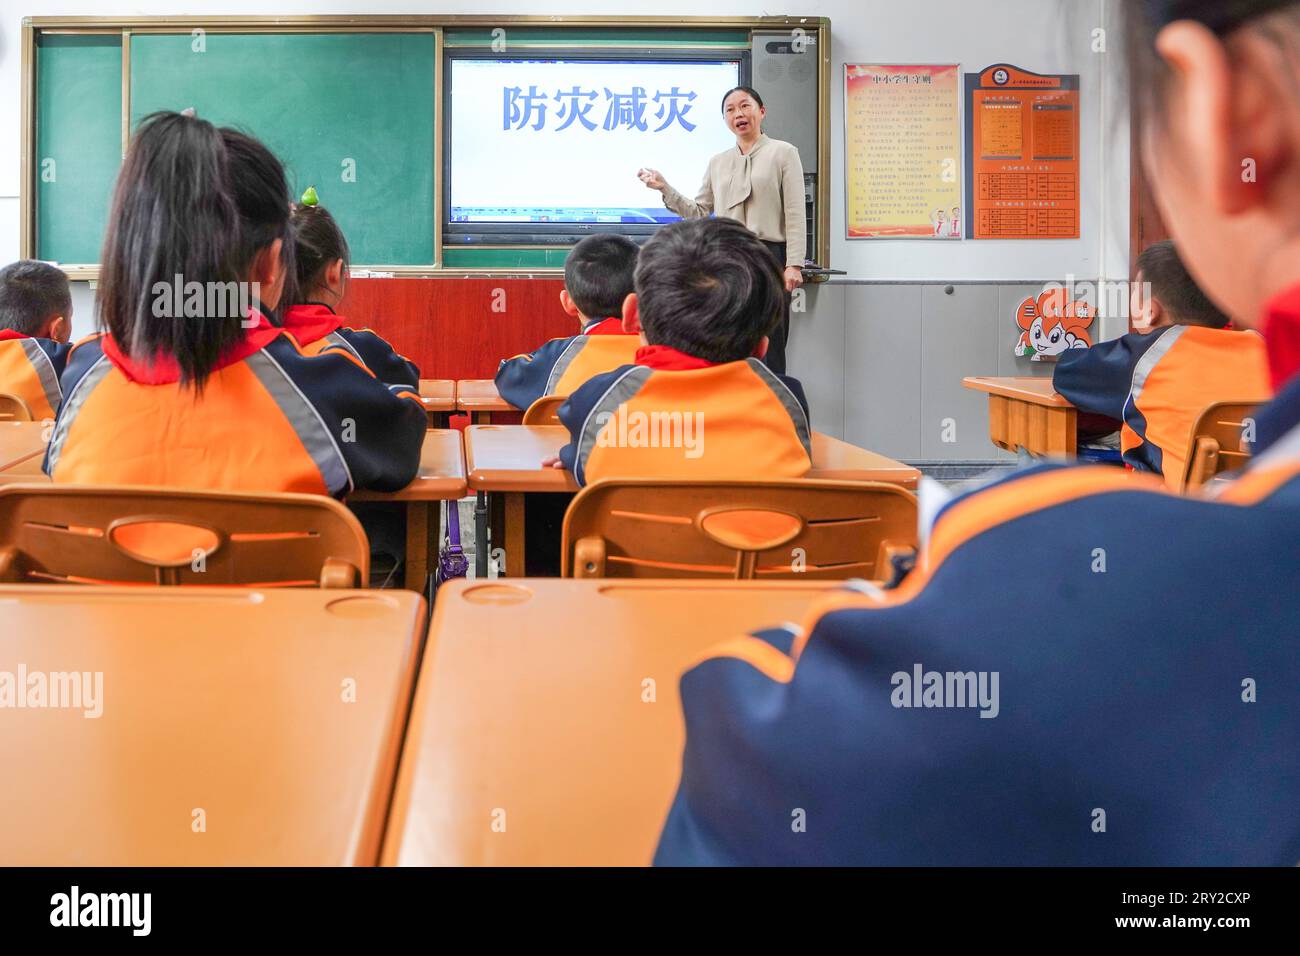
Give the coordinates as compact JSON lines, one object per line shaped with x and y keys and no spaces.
{"x":552,"y":462}
{"x":793,"y":278}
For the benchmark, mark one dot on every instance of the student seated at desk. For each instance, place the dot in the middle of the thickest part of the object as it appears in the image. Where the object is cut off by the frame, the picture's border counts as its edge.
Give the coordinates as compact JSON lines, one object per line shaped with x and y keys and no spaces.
{"x":1158,"y":380}
{"x":192,"y":385}
{"x":320,"y":281}
{"x":35,"y":322}
{"x":597,"y":278}
{"x":1078,"y":671}
{"x":698,"y":402}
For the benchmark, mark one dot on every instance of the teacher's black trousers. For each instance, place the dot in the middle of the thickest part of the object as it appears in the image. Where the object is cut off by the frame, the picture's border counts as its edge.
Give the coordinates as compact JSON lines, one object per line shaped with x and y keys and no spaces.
{"x":775,"y":359}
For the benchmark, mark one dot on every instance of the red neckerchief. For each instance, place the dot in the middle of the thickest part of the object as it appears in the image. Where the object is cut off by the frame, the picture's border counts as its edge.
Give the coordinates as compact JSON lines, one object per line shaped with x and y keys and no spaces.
{"x":9,"y":335}
{"x":164,"y":370}
{"x":311,"y":322}
{"x":610,"y":326}
{"x":1282,"y":335}
{"x":666,"y":359}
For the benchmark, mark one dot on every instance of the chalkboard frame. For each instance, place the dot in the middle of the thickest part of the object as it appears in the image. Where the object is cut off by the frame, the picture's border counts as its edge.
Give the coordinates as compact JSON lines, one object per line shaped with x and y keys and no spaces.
{"x":33,"y":27}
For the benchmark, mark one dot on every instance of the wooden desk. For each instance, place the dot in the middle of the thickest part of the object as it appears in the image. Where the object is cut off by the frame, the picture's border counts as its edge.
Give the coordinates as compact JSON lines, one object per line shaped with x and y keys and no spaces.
{"x":508,"y":459}
{"x":530,"y":701}
{"x":480,"y":398}
{"x":1028,"y":413}
{"x":22,"y":441}
{"x":438,"y":395}
{"x":25,"y":472}
{"x":226,"y":700}
{"x":840,"y":461}
{"x":441,"y":478}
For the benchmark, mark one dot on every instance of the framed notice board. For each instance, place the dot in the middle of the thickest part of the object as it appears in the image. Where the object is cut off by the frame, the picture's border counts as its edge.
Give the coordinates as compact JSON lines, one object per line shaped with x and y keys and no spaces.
{"x":1022,"y":154}
{"x":902,"y":151}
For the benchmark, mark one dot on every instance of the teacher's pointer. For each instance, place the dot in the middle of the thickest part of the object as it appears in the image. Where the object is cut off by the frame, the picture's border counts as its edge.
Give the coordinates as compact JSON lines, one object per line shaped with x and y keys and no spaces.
{"x":792,"y":277}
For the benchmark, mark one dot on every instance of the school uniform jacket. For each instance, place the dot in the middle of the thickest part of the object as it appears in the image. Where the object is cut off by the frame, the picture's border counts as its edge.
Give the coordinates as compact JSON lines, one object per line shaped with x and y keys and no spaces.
{"x":269,"y":419}
{"x":561,"y":365}
{"x":672,"y":415}
{"x":317,"y":328}
{"x":30,"y":368}
{"x":1147,"y":655}
{"x":1157,"y":385}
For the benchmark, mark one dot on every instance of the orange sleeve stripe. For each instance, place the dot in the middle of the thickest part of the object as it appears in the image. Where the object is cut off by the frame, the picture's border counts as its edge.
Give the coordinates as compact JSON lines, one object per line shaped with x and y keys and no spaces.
{"x":1023,"y":496}
{"x":1256,"y":485}
{"x":339,"y":350}
{"x":974,"y":515}
{"x":759,"y":654}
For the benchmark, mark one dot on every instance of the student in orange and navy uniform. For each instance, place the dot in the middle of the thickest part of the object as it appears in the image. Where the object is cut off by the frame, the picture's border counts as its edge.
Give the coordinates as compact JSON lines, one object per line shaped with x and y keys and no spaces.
{"x":222,"y":399}
{"x":698,"y":402}
{"x":597,"y":278}
{"x":35,"y":322}
{"x":1084,"y":668}
{"x":1158,"y":380}
{"x":321,"y":259}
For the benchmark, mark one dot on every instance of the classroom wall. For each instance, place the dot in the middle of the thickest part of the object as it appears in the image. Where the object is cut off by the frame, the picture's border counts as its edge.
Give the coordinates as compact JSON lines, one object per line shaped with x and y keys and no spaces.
{"x":881,"y":351}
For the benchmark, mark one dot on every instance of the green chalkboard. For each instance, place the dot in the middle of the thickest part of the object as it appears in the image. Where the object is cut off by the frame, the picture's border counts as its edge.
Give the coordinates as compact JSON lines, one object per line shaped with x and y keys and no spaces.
{"x":472,"y":257}
{"x":78,"y":143}
{"x":350,"y":113}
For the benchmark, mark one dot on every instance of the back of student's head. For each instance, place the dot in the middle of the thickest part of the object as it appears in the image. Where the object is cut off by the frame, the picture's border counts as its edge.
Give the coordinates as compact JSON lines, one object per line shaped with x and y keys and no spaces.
{"x":1174,"y":288}
{"x":318,"y":243}
{"x":598,"y":275}
{"x":31,"y":293}
{"x":193,"y":204}
{"x":709,"y":288}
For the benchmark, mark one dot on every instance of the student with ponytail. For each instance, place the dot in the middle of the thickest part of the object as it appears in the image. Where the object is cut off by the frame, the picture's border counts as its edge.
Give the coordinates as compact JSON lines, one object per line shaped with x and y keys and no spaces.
{"x":191,"y":384}
{"x":319,"y":285}
{"x":1084,"y":668}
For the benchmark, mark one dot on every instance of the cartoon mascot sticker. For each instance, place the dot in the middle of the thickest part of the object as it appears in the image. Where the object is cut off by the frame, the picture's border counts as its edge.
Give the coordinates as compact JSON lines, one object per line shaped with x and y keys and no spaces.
{"x":1052,"y":324}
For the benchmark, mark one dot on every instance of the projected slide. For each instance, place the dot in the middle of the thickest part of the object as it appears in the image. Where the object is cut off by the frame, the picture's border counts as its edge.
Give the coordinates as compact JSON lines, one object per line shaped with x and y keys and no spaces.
{"x":561,"y":141}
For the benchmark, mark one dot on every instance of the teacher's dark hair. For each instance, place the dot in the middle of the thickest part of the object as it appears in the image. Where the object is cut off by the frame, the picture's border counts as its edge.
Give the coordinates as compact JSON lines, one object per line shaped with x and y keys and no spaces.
{"x":598,"y":275}
{"x":1279,"y":20}
{"x":192,"y":201}
{"x":709,"y":288}
{"x":742,"y":89}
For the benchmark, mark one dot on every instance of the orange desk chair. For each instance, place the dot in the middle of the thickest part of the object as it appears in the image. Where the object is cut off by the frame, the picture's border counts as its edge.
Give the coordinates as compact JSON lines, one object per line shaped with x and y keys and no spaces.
{"x":1216,"y":443}
{"x":14,"y":409}
{"x":766,"y":530}
{"x":545,"y":411}
{"x":91,"y":534}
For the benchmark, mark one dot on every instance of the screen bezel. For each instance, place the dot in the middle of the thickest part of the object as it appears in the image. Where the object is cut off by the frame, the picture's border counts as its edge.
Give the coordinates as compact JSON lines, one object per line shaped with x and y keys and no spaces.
{"x":567,"y":233}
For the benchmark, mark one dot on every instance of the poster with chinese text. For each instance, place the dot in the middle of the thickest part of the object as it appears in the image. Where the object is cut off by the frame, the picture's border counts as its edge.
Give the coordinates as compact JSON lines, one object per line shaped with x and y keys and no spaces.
{"x":902,"y":144}
{"x":1022,"y":155}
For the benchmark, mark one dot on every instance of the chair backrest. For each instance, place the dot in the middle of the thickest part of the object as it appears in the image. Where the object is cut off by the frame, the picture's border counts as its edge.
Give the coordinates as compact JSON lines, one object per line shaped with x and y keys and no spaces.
{"x":14,"y":409}
{"x":792,"y":528}
{"x":545,"y":411}
{"x":1218,"y":442}
{"x":96,"y":534}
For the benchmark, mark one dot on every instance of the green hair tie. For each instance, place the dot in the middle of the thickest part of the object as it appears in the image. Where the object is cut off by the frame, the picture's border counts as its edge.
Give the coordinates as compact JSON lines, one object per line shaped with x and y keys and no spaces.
{"x":309,"y":198}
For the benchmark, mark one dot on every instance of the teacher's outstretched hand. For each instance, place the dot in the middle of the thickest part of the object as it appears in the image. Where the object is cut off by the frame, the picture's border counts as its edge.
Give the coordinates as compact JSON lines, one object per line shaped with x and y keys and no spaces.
{"x":759,"y":182}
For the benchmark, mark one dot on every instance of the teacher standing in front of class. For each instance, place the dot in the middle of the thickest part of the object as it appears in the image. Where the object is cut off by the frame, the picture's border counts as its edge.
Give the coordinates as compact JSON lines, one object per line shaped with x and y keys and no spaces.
{"x":760,"y":184}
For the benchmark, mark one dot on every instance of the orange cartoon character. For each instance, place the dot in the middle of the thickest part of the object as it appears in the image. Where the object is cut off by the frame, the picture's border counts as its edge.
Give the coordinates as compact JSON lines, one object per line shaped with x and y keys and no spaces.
{"x":1052,"y":324}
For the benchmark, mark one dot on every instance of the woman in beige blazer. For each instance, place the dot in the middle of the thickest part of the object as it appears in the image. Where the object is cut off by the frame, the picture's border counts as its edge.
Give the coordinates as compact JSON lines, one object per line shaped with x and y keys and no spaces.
{"x":758,"y":183}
